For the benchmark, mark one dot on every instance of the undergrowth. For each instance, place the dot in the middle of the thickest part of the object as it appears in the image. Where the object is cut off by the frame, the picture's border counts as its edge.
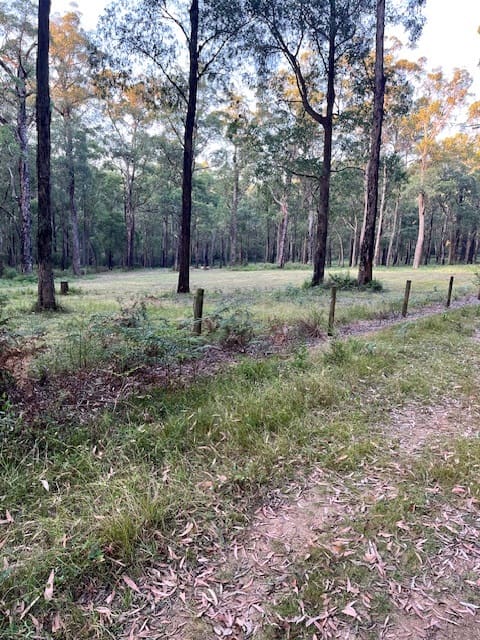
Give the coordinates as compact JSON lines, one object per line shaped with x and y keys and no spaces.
{"x":91,"y":501}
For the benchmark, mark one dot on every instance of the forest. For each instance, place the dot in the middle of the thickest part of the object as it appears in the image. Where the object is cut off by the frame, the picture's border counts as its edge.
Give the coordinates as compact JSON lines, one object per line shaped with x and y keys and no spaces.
{"x":296,"y":457}
{"x":267,"y":106}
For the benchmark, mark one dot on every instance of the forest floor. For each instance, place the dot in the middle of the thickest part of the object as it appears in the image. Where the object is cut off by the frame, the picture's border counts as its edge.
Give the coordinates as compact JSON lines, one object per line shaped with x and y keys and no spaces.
{"x":246,"y":588}
{"x":383,"y":541}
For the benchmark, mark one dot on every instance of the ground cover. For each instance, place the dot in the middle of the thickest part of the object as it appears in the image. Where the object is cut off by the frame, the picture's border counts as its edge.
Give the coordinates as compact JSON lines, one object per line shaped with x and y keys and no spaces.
{"x":268,"y":301}
{"x":331,"y":492}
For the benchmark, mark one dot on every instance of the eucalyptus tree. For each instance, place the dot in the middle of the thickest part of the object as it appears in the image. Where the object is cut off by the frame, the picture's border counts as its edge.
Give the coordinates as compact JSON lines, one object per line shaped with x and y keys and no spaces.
{"x":71,"y":88}
{"x":315,"y":38}
{"x":367,"y":248}
{"x":186,"y":41}
{"x":365,"y":269}
{"x":286,"y":147}
{"x":18,"y":41}
{"x":46,"y":290}
{"x":439,"y":99}
{"x":126,"y":142}
{"x":234,"y":159}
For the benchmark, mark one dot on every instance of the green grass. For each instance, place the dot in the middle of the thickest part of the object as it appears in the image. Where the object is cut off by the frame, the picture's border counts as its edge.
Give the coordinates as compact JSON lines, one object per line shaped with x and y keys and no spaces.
{"x":122,"y":485}
{"x":239,"y":305}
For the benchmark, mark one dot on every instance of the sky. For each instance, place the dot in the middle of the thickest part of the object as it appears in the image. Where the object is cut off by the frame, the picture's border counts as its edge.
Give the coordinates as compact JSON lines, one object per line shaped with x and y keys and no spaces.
{"x":450,"y":38}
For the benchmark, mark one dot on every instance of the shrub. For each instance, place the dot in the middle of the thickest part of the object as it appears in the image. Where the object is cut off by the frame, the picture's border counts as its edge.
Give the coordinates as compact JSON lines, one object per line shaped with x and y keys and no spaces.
{"x":346,"y":282}
{"x":235,"y":327}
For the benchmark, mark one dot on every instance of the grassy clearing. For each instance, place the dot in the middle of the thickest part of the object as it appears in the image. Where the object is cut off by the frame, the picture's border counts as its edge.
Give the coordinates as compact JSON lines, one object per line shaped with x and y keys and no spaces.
{"x":239,"y":306}
{"x":95,"y":500}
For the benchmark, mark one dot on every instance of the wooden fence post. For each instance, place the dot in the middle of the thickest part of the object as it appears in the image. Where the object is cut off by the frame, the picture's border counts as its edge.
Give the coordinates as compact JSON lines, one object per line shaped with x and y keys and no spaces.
{"x":450,"y":287}
{"x":331,"y":316}
{"x":64,"y":287}
{"x":198,"y":312}
{"x":406,"y":297}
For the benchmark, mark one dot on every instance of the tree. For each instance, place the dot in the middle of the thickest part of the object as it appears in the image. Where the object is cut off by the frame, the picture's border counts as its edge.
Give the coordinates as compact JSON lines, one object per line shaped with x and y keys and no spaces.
{"x":365,"y":270}
{"x":166,"y":33}
{"x":130,"y":116}
{"x":234,"y":120}
{"x":46,"y":290}
{"x":314,"y":39}
{"x":70,"y":89}
{"x":439,"y":99}
{"x":16,"y":62}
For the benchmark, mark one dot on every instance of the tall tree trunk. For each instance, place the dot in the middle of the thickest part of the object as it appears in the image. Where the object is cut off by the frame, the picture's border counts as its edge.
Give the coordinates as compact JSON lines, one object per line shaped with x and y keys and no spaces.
{"x":282,"y":232}
{"x":164,"y":259}
{"x":24,"y":174}
{"x":476,"y":246}
{"x":428,"y":250}
{"x":443,"y":241}
{"x":188,"y":154}
{"x":417,"y":259}
{"x":341,"y":258}
{"x":393,"y":233}
{"x":323,"y":208}
{"x":283,"y":223}
{"x":470,"y":248}
{"x":452,"y":247}
{"x":311,"y":236}
{"x":234,"y":212}
{"x":71,"y":194}
{"x":129,"y":221}
{"x":46,"y":289}
{"x":353,"y":253}
{"x":381,"y":215}
{"x":365,"y":270}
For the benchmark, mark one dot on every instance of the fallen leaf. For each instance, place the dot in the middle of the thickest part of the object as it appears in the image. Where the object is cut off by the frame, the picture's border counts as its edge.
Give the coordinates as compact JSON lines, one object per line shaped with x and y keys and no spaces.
{"x":104,"y":611}
{"x":130,"y":583}
{"x":57,"y":623}
{"x":48,"y":593}
{"x":186,"y":531}
{"x":8,"y":518}
{"x":459,"y":490}
{"x":45,"y":484}
{"x":350,"y":611}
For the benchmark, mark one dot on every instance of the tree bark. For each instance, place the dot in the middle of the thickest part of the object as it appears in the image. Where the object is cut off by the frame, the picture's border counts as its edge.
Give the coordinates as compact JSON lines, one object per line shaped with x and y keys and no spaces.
{"x":428,"y":251}
{"x":383,"y":200}
{"x":393,"y":233}
{"x":234,"y":212}
{"x":282,"y":232}
{"x":46,"y":289}
{"x":417,"y":259}
{"x":71,"y":194}
{"x":24,"y":173}
{"x":323,"y":209}
{"x":188,"y":154}
{"x":129,"y":220}
{"x":365,"y":270}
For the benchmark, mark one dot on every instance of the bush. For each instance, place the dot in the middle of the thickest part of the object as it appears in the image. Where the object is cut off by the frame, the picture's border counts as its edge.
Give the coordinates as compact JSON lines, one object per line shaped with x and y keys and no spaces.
{"x":235,"y":327}
{"x":346,"y":282}
{"x":9,"y":273}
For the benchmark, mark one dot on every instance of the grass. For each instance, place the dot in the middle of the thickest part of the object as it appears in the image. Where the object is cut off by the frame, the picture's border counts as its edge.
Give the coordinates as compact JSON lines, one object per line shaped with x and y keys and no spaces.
{"x":93,"y":499}
{"x":239,"y":305}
